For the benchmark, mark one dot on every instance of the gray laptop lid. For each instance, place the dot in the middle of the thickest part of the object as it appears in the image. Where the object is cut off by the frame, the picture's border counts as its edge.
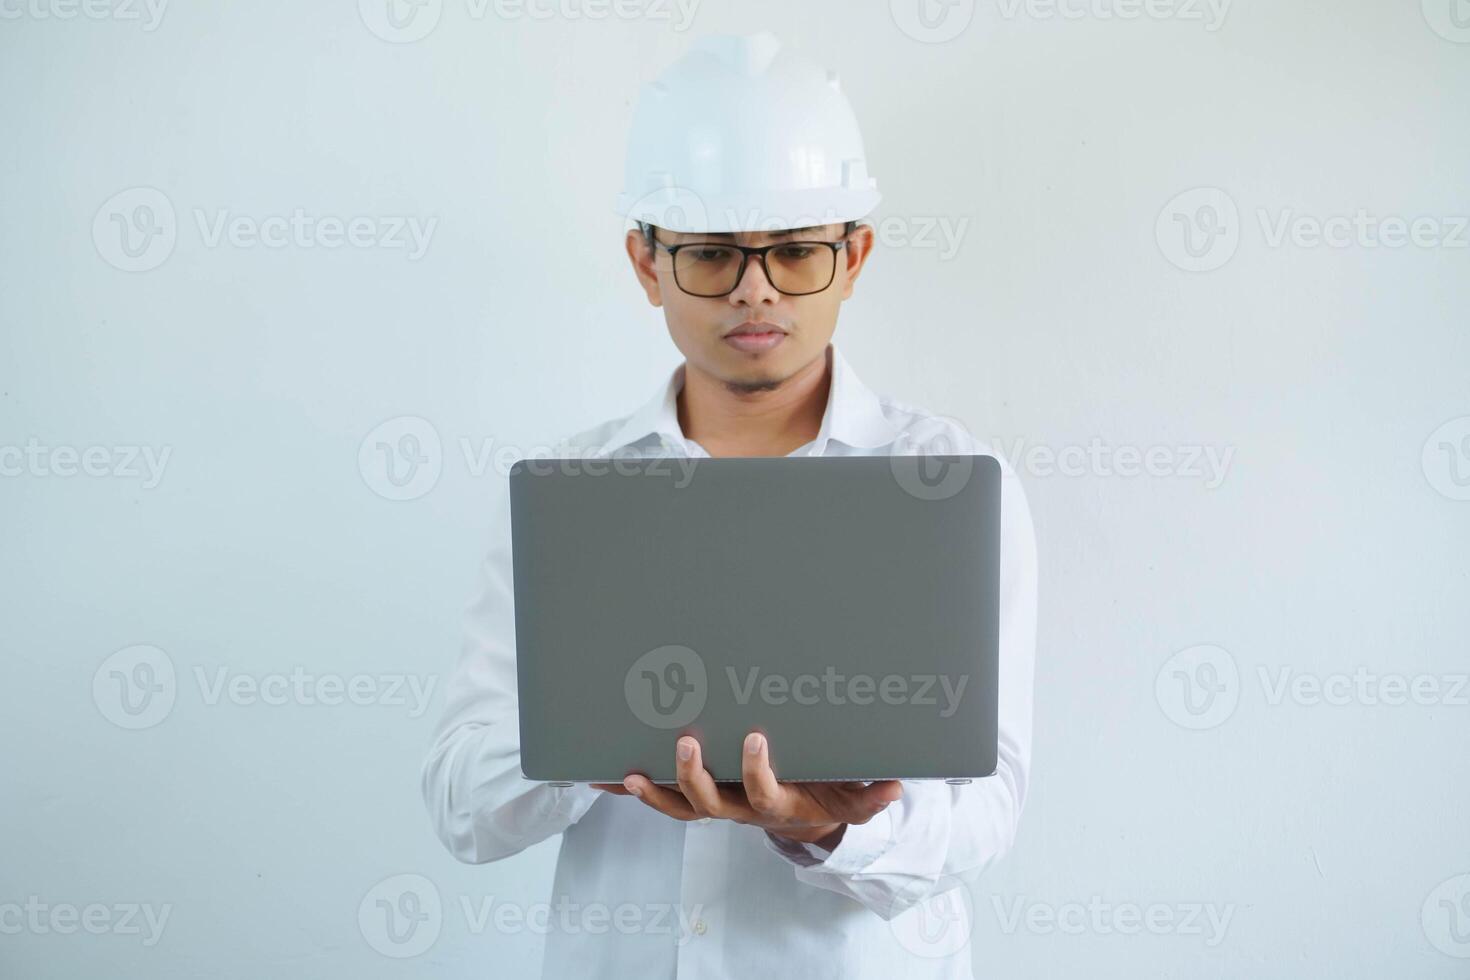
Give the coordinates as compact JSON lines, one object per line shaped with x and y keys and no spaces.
{"x":848,"y":607}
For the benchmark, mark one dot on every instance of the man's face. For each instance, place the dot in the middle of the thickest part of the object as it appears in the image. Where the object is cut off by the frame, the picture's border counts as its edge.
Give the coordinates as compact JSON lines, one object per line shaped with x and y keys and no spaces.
{"x":795,"y":330}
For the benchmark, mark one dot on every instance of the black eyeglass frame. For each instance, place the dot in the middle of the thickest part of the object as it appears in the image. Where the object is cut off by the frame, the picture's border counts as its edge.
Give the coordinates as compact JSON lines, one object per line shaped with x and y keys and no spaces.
{"x":746,"y":252}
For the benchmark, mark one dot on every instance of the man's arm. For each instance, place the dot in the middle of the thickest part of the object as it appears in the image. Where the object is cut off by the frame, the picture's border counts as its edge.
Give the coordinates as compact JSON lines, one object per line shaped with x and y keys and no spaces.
{"x":481,"y":807}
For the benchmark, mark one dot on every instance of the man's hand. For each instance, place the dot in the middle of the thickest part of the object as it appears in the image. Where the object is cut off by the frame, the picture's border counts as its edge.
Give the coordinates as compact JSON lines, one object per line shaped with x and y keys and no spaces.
{"x":813,"y":813}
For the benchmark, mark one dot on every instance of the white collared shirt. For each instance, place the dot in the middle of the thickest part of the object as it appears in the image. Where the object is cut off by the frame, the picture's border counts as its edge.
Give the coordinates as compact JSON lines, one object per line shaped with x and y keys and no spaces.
{"x":644,"y":895}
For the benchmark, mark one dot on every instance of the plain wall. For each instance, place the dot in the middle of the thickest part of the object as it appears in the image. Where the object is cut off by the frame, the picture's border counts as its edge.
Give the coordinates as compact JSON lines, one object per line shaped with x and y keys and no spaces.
{"x":1067,"y":319}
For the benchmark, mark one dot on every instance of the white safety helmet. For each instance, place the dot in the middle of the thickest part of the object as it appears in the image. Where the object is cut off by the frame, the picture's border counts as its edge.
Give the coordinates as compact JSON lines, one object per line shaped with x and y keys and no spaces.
{"x":743,"y":135}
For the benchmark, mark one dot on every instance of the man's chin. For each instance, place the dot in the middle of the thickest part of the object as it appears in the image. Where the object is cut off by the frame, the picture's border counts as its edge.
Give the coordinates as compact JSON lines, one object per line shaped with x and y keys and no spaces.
{"x":750,"y":386}
{"x":759,"y":372}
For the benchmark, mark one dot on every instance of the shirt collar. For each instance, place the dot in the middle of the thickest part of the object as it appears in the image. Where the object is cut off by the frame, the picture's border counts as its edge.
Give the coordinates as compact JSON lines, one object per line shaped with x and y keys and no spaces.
{"x":854,"y":414}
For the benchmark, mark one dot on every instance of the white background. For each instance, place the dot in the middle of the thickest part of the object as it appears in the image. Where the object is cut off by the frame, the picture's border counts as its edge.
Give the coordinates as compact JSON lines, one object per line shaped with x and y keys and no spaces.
{"x":1329,"y":833}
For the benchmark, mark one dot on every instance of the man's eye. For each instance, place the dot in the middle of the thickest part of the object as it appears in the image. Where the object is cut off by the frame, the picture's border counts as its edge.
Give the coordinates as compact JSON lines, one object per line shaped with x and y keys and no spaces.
{"x":795,"y":253}
{"x":710,"y":254}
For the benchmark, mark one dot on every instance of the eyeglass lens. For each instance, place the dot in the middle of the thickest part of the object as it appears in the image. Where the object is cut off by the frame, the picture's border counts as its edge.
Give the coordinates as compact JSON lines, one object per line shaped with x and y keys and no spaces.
{"x":793,"y":268}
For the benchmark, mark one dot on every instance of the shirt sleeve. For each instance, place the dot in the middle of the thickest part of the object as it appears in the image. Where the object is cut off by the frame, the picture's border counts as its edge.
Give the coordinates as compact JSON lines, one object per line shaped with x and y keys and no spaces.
{"x":937,"y":836}
{"x":480,"y":805}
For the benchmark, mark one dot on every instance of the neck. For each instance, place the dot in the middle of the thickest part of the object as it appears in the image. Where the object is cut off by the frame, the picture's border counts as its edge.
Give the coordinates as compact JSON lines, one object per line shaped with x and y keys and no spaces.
{"x":765,"y":419}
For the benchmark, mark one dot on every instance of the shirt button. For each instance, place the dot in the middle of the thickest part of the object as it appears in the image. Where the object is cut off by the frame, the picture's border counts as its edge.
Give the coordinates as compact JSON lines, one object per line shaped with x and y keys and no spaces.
{"x":700,"y":927}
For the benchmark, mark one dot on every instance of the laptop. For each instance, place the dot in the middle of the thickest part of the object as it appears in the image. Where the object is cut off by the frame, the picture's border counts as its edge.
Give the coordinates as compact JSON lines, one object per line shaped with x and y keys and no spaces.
{"x":847,"y":607}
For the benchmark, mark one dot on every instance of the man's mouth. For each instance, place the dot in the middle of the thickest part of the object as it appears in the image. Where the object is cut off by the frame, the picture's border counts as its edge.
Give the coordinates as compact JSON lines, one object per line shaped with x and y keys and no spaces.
{"x":755,"y":337}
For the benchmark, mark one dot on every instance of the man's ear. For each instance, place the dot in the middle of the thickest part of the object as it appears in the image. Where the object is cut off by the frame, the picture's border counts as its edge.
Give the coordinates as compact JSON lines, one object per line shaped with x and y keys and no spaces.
{"x":859,"y":247}
{"x":641,"y":254}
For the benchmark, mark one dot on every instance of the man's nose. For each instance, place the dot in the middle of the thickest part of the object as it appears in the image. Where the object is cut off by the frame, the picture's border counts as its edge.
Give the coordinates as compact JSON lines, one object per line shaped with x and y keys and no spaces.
{"x":754,"y":286}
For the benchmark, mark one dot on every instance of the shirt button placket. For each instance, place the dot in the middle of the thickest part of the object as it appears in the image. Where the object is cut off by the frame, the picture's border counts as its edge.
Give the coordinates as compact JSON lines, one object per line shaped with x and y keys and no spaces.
{"x":702,"y":890}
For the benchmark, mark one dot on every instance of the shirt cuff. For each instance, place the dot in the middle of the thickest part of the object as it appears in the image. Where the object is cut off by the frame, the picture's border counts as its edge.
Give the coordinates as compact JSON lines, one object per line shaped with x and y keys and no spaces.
{"x":569,"y":803}
{"x":861,"y":845}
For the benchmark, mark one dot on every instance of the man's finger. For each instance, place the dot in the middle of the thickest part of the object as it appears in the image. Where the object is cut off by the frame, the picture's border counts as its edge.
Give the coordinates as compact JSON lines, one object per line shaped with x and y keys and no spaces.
{"x":617,"y":789}
{"x":762,"y":791}
{"x":695,"y":782}
{"x":854,"y":804}
{"x":883,"y":791}
{"x":667,"y":801}
{"x":867,"y":802}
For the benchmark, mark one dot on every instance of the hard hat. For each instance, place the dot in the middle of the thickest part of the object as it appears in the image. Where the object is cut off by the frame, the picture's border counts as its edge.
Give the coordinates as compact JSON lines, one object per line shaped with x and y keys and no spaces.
{"x":741,"y":134}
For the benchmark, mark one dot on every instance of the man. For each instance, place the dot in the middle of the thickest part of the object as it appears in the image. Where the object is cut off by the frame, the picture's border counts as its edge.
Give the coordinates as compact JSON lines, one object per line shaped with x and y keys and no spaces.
{"x":764,"y":878}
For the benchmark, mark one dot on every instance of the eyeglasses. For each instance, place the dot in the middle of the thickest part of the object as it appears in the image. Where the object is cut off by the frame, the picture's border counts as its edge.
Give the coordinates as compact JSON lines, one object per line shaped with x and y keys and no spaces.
{"x":715,"y":268}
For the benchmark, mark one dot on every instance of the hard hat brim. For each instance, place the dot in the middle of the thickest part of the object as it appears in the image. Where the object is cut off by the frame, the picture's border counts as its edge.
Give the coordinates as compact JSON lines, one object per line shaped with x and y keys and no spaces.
{"x":682,"y":210}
